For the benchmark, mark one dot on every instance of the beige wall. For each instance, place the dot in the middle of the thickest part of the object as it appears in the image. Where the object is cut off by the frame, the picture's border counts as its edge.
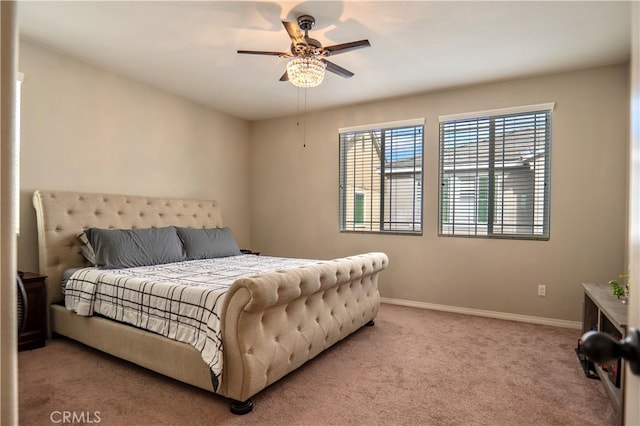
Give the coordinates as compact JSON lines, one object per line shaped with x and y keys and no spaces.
{"x":294,"y":193}
{"x":87,"y":129}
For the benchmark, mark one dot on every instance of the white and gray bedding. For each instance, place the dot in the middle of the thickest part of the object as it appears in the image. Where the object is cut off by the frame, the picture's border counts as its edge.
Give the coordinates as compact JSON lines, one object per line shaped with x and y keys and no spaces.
{"x":273,"y":323}
{"x":179,"y":300}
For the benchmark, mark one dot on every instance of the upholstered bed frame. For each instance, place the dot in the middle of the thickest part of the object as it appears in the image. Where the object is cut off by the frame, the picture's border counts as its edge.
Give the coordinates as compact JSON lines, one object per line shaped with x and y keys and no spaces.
{"x":271,"y":324}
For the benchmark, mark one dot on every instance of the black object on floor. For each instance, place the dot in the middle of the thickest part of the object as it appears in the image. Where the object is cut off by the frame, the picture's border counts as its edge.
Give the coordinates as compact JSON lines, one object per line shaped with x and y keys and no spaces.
{"x":587,"y":365}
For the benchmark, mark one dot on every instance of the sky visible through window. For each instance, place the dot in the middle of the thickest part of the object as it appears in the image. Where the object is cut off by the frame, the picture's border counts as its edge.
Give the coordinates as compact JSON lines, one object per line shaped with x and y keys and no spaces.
{"x":400,"y":143}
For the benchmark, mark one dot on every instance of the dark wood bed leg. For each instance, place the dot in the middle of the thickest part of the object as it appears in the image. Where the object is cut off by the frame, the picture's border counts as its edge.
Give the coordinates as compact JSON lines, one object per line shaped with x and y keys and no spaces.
{"x":241,"y":408}
{"x":370,"y":323}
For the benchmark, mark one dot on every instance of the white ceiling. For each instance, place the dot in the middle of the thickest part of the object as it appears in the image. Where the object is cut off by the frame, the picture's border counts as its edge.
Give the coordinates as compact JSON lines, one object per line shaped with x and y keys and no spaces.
{"x":189,"y":48}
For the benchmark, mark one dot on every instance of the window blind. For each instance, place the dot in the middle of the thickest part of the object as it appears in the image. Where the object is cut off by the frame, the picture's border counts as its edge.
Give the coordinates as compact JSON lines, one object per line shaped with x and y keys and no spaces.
{"x":494,"y":175}
{"x":16,"y":152}
{"x":381,"y":179}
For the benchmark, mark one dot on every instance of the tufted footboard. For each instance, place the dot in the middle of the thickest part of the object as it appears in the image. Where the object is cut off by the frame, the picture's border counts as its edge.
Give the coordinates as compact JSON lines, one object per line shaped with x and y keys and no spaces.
{"x":271,"y":323}
{"x":275,"y":322}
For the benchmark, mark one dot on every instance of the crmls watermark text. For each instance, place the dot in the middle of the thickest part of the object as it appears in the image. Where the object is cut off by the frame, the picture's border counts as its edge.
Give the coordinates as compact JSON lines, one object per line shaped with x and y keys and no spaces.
{"x":75,"y":417}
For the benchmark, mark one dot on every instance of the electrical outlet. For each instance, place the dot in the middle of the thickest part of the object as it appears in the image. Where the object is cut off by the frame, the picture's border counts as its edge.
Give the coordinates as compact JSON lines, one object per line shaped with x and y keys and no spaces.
{"x":542,"y":290}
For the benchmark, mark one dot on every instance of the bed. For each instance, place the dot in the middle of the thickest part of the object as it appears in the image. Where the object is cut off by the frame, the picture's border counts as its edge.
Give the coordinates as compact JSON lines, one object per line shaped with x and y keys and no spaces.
{"x":270,"y":323}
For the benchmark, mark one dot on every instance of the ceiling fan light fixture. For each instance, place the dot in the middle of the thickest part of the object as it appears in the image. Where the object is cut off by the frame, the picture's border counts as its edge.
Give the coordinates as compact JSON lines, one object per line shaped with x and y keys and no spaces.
{"x":306,"y":71}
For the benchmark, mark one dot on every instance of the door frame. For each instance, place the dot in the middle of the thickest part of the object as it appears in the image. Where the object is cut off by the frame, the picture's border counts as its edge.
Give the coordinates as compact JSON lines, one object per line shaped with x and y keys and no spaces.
{"x":632,"y":382}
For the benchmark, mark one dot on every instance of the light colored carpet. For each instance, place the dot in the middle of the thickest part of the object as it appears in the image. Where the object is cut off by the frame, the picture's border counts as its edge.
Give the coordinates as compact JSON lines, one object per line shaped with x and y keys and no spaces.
{"x":414,"y":367}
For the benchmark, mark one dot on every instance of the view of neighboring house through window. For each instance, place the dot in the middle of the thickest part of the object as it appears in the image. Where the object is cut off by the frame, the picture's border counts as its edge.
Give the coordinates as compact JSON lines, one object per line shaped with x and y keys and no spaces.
{"x":358,"y":208}
{"x":494,"y":173}
{"x":381,"y":178}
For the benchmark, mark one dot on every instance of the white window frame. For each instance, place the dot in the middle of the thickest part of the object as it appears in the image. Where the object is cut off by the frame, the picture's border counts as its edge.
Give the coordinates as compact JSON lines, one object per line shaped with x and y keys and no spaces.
{"x":16,"y":152}
{"x":384,"y":208}
{"x":454,"y":166}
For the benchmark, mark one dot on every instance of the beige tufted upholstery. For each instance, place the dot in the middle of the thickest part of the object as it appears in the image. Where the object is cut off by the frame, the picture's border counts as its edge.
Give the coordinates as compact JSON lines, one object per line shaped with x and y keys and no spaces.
{"x":278,"y":321}
{"x":272,"y":323}
{"x":61,"y":216}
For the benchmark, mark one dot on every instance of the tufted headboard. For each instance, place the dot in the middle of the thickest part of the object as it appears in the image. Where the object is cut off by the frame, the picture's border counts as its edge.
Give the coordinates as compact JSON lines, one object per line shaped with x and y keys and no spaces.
{"x":62,"y":215}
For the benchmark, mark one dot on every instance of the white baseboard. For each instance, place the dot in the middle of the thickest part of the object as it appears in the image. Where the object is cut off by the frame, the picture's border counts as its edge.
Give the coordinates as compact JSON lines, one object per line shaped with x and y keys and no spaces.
{"x":482,"y":313}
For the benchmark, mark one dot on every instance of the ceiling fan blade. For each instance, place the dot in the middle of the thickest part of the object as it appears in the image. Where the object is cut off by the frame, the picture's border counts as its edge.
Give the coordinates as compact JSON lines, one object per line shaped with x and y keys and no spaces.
{"x":294,"y":32}
{"x":285,"y":77}
{"x":337,"y":69}
{"x":346,"y":47}
{"x":261,"y":52}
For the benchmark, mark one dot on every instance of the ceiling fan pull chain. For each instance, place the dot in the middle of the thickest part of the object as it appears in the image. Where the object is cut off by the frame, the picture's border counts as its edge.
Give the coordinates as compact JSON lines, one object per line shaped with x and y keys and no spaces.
{"x":298,"y":109}
{"x":304,"y":129}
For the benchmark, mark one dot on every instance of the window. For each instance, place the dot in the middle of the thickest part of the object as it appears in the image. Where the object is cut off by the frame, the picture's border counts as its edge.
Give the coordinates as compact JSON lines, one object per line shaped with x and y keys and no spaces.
{"x":381,"y":178}
{"x":16,"y":153}
{"x":494,"y":173}
{"x":358,"y":208}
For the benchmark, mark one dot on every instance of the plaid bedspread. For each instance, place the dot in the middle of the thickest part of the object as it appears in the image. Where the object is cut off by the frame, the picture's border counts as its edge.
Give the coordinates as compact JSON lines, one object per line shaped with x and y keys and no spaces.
{"x":181,"y":301}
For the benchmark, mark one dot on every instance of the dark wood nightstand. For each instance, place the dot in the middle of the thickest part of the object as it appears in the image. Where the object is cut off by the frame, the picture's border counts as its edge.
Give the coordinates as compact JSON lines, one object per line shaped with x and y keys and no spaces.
{"x":35,"y":330}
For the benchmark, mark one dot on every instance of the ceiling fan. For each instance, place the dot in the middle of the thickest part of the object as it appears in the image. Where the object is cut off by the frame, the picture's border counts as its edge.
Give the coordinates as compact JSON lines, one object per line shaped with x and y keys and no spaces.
{"x":309,"y":62}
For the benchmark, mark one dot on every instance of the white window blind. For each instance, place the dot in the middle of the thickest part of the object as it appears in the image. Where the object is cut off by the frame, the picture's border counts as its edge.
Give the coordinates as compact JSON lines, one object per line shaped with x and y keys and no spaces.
{"x":494,"y":174}
{"x":381,"y":178}
{"x":16,"y":152}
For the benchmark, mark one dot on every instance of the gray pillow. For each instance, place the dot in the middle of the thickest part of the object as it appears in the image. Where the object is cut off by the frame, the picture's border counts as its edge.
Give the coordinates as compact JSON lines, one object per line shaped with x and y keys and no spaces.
{"x":128,"y":248}
{"x":207,"y":243}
